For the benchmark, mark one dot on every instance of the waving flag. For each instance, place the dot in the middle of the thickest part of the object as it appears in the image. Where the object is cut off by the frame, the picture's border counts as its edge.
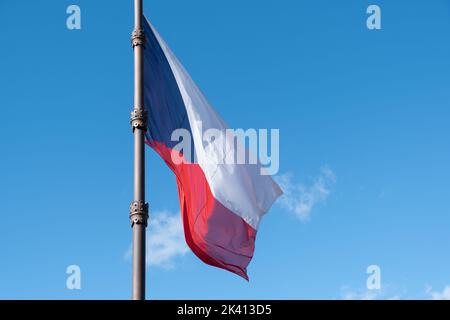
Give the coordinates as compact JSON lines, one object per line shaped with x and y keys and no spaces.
{"x":221,"y":203}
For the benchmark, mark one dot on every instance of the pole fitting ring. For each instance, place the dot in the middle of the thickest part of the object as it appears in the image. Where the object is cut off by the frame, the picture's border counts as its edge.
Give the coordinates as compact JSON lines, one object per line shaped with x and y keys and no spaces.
{"x":138,"y":213}
{"x":139,"y":119}
{"x":138,"y":38}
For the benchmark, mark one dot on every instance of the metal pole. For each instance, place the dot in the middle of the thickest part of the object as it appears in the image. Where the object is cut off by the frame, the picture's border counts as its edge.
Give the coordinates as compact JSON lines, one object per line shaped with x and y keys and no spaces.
{"x":138,"y":208}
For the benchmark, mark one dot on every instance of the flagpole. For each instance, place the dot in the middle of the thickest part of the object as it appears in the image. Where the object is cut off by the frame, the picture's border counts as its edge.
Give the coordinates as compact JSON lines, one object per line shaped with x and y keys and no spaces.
{"x":138,"y":208}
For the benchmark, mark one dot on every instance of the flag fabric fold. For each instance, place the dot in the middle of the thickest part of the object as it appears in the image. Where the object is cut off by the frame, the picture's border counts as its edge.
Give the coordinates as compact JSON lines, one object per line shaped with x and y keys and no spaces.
{"x":221,"y":204}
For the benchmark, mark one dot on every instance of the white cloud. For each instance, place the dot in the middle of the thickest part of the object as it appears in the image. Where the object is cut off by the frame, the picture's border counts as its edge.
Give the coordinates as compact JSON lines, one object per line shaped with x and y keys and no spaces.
{"x":436,"y":295}
{"x":349,"y":294}
{"x":389,"y":293}
{"x":384,"y":293}
{"x":165,"y":240}
{"x":300,"y":199}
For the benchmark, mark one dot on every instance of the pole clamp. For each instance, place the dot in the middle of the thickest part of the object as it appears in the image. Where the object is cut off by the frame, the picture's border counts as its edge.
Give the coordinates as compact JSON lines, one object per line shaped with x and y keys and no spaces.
{"x":138,"y":38}
{"x":139,"y":119}
{"x":138,"y":213}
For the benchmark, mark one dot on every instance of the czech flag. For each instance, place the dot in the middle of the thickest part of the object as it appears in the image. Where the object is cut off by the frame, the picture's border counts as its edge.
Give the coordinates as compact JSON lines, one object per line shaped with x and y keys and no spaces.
{"x":221,"y":204}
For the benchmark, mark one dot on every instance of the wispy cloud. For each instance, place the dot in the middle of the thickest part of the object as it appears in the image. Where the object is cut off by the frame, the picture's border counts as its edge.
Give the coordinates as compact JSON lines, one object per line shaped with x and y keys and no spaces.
{"x":165,"y":240}
{"x":348,"y":293}
{"x":386,"y":293}
{"x":436,"y":295}
{"x":299,"y":198}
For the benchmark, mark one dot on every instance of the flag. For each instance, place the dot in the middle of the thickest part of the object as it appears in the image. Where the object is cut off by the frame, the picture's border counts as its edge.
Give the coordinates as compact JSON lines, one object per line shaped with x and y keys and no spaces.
{"x":221,"y":203}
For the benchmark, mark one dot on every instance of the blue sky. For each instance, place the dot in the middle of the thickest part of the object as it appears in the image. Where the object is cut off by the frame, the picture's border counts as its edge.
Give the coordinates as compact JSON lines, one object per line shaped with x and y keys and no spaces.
{"x":363,"y":118}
